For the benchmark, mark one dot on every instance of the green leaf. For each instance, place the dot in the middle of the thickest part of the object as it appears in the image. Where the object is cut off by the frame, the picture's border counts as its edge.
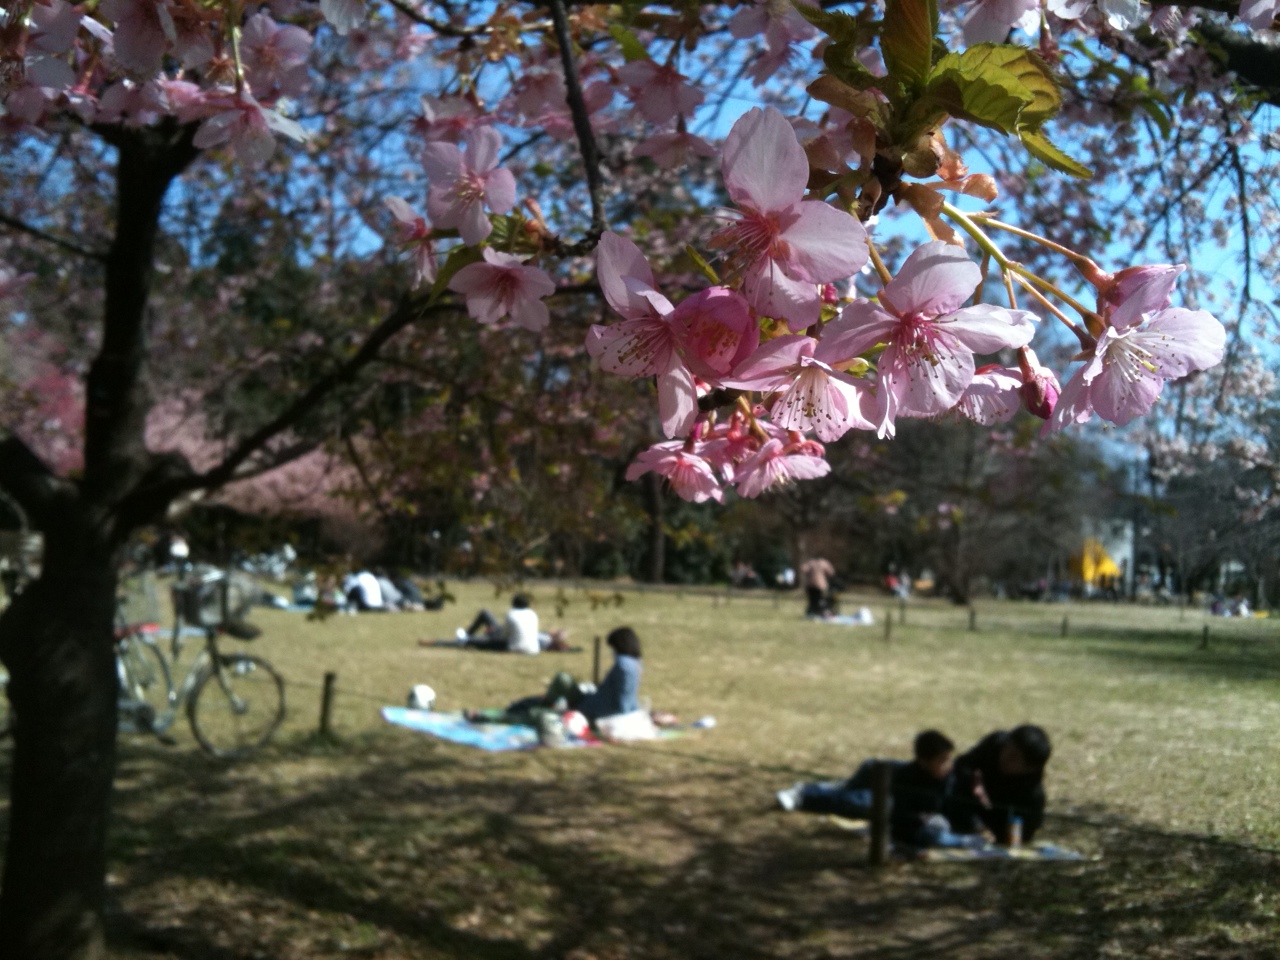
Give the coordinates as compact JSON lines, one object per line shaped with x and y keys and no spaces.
{"x":703,"y":267}
{"x":628,"y":43}
{"x":987,"y":77}
{"x":837,"y":24}
{"x":906,"y":40}
{"x":458,"y":258}
{"x":1040,"y":147}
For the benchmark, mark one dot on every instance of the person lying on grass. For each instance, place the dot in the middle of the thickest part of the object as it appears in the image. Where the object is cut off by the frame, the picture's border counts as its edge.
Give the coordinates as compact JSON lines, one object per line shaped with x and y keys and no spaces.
{"x":518,"y":633}
{"x":920,"y":793}
{"x":619,"y":691}
{"x":1000,"y":781}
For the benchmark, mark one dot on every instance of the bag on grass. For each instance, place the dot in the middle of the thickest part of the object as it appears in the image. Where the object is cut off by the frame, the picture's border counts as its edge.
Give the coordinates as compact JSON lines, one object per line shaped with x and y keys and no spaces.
{"x":636,"y":725}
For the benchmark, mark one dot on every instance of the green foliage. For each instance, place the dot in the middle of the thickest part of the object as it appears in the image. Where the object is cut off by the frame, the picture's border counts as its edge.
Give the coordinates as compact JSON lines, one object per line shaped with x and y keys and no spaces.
{"x":906,"y":41}
{"x":1040,"y":147}
{"x":628,"y":43}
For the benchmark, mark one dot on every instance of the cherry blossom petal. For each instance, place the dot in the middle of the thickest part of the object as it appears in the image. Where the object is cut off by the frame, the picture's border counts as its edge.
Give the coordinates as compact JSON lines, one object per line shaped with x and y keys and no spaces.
{"x":992,"y":396}
{"x":764,"y":166}
{"x":483,"y":144}
{"x":1073,"y":405}
{"x":926,"y":387}
{"x":773,"y":293}
{"x":442,"y":162}
{"x":1141,"y":291}
{"x":1181,"y":341}
{"x":826,"y":243}
{"x":627,"y":279}
{"x":500,"y":190}
{"x":771,"y":366}
{"x":632,"y":348}
{"x":473,"y":224}
{"x":989,"y":329}
{"x":860,"y":326}
{"x":936,"y":279}
{"x":531,"y":314}
{"x":677,"y":398}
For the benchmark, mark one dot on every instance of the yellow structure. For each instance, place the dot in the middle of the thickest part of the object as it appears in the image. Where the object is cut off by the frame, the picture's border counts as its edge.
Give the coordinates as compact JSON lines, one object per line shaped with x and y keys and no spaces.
{"x":1093,"y":565}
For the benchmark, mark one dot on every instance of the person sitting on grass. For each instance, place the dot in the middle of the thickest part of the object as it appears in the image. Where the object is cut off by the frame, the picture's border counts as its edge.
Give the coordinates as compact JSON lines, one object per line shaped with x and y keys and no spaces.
{"x":518,"y":633}
{"x":618,"y":692}
{"x":920,"y":793}
{"x":1001,"y":779}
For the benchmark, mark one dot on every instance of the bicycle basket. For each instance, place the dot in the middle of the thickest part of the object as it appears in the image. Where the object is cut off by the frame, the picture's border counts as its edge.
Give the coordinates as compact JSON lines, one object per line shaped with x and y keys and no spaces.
{"x":212,"y":599}
{"x":139,"y":601}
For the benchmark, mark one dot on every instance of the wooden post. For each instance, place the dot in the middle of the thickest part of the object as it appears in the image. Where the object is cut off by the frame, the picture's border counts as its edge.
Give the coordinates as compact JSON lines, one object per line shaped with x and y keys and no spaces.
{"x":888,"y":624}
{"x":902,"y":610}
{"x":1204,"y":638}
{"x":1066,"y":625}
{"x":973,"y":619}
{"x":881,"y":781}
{"x":595,"y":662}
{"x":326,"y":704}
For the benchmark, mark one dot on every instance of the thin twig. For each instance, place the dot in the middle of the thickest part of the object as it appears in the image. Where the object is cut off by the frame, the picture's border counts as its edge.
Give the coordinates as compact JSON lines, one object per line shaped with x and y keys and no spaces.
{"x":581,"y":127}
{"x":13,"y":223}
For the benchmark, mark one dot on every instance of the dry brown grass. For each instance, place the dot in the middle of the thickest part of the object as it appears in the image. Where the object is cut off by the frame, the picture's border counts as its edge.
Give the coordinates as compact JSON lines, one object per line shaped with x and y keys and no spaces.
{"x":387,"y":844}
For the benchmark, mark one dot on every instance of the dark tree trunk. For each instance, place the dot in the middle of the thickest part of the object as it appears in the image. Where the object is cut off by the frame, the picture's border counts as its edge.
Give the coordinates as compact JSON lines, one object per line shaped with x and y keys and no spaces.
{"x":56,"y":640}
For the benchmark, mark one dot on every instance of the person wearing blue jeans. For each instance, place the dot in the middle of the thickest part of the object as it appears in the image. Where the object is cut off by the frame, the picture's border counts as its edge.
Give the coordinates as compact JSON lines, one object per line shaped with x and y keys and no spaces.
{"x":920,"y":792}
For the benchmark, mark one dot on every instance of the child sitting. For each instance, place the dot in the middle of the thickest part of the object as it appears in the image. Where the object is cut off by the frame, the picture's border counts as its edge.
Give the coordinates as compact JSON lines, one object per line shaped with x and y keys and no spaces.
{"x":919,"y":792}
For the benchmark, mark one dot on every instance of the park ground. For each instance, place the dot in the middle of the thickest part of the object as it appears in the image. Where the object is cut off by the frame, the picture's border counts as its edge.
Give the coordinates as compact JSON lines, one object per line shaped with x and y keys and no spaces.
{"x":385,"y":844}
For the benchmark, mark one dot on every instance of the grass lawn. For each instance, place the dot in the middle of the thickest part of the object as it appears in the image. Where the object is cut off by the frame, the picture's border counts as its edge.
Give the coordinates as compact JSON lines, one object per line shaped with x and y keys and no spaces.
{"x":388,"y":844}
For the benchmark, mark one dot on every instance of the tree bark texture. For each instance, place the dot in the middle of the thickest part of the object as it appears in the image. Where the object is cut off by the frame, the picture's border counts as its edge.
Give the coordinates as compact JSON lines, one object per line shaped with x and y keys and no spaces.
{"x":56,"y":639}
{"x":657,"y":528}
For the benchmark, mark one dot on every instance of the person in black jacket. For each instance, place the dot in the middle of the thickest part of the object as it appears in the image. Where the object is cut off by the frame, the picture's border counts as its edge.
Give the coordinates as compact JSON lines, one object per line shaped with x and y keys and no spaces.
{"x":920,"y":791}
{"x":1001,"y":779}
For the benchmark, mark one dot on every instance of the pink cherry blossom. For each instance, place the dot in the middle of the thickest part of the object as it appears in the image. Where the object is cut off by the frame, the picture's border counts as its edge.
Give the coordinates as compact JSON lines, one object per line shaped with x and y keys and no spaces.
{"x":690,"y":475}
{"x":275,"y":57}
{"x":446,"y":118}
{"x":812,"y":394}
{"x":144,"y":32}
{"x":461,"y":185}
{"x":992,"y":395}
{"x":778,"y":463}
{"x":645,"y":344}
{"x":715,"y":331}
{"x":989,"y":21}
{"x":931,"y":337}
{"x":503,"y":285}
{"x":1144,"y":343}
{"x":344,"y":15}
{"x":557,"y":121}
{"x":784,"y":245}
{"x":669,"y":150}
{"x":1259,"y":14}
{"x":661,"y":93}
{"x":248,"y":127}
{"x":782,"y":26}
{"x":415,"y":232}
{"x":51,"y":34}
{"x":131,"y":104}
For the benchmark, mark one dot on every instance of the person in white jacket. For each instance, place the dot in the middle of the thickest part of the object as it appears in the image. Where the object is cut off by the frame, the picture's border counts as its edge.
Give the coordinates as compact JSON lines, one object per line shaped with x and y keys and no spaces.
{"x":518,"y":633}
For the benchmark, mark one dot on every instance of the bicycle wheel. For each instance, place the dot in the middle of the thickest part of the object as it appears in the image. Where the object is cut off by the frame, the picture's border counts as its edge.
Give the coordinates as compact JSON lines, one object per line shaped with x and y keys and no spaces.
{"x":144,"y":679}
{"x":236,"y":705}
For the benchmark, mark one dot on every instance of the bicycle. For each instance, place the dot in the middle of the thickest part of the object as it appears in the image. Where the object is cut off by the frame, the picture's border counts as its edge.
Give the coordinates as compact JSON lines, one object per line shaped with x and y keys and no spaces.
{"x":234,"y":701}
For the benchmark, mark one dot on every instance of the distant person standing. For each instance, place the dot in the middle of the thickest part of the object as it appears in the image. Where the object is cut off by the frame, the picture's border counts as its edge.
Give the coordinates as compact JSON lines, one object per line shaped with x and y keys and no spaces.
{"x":815,"y":577}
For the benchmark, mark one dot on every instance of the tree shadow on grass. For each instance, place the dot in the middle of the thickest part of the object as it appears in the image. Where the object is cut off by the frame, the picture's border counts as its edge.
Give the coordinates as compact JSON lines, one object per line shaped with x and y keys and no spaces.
{"x":398,"y":847}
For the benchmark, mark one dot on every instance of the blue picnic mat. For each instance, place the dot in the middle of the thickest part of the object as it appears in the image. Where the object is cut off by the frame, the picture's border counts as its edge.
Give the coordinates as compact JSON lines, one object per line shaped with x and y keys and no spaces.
{"x":495,"y":737}
{"x":1039,"y":852}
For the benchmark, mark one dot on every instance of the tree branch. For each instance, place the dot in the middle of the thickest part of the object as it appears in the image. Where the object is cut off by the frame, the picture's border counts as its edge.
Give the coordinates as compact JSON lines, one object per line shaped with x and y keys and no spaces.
{"x":1254,"y":61}
{"x":30,"y":483}
{"x":582,"y":128}
{"x":13,"y":223}
{"x":446,"y":29}
{"x":408,"y":312}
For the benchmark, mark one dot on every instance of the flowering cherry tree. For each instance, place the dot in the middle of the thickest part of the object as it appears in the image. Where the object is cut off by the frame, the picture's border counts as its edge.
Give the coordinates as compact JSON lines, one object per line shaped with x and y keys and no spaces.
{"x":825,"y":264}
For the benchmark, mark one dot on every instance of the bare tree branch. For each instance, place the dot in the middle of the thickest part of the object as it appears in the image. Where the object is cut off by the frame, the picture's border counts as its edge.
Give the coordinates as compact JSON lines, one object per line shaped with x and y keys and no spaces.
{"x":582,"y":128}
{"x":407,"y":313}
{"x":446,"y":29}
{"x":13,"y":223}
{"x":30,"y":483}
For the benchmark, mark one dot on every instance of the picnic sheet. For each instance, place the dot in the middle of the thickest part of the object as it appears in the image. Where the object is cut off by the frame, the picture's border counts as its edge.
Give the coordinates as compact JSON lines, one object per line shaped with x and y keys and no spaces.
{"x":1040,"y":852}
{"x":494,"y":737}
